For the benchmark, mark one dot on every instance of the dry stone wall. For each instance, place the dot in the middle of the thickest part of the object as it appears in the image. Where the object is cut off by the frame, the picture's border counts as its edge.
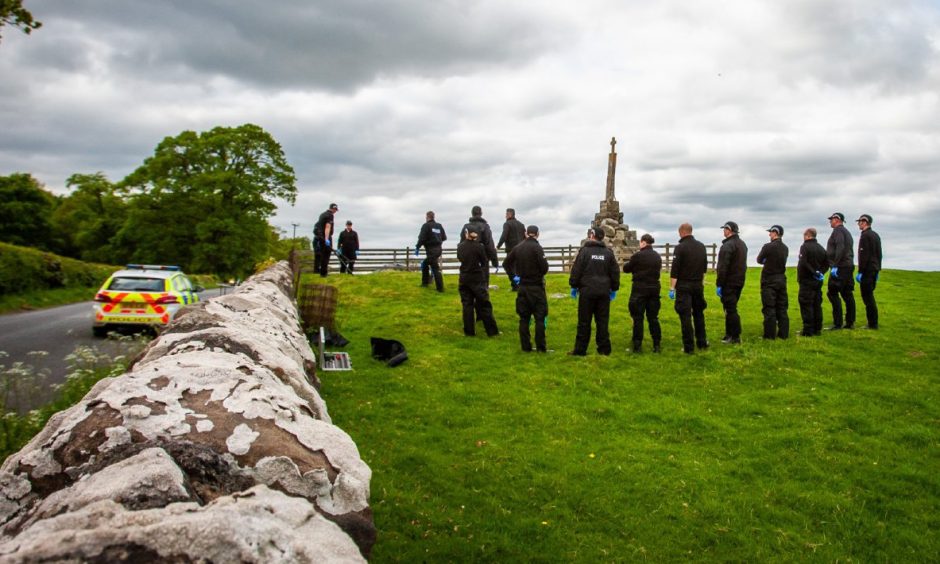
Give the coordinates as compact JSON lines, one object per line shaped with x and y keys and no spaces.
{"x":215,"y":445}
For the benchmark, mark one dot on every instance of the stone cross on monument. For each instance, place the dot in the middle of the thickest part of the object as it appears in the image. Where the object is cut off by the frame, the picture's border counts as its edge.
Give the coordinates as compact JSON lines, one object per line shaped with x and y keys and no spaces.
{"x":617,"y":235}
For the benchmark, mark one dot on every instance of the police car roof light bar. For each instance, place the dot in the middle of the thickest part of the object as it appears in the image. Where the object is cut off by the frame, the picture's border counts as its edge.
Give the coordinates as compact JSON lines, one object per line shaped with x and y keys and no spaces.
{"x":152,"y":267}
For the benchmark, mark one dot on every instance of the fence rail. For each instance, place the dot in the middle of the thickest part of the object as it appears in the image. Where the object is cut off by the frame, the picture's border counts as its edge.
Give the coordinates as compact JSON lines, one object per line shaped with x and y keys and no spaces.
{"x":373,"y":260}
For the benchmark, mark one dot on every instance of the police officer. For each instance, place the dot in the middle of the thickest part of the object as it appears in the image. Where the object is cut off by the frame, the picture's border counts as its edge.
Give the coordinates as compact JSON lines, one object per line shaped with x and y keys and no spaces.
{"x":594,"y":276}
{"x":323,"y":240}
{"x":485,"y":236}
{"x":513,"y":234}
{"x":773,"y":285}
{"x":474,"y":295}
{"x":348,"y":244}
{"x":869,"y":265}
{"x":687,"y":288}
{"x":810,"y":270}
{"x":646,"y":266}
{"x":732,"y":270}
{"x":527,"y":260}
{"x":431,"y":237}
{"x":840,"y":252}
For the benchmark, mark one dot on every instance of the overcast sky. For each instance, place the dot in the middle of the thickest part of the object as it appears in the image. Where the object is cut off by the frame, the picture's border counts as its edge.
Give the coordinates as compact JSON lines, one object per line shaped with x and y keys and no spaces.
{"x":756,"y":111}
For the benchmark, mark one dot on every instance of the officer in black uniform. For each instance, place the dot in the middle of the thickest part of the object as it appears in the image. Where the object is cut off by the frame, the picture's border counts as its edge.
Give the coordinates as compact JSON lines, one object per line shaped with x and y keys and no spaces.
{"x":810,"y":270}
{"x":485,"y":236}
{"x":596,"y":277}
{"x":348,"y":244}
{"x":646,"y":266}
{"x":323,"y":240}
{"x":474,"y":295}
{"x":687,"y":288}
{"x":839,"y":250}
{"x":773,"y":285}
{"x":431,"y":237}
{"x":527,"y":260}
{"x":513,"y":234}
{"x":869,"y":265}
{"x":732,"y":270}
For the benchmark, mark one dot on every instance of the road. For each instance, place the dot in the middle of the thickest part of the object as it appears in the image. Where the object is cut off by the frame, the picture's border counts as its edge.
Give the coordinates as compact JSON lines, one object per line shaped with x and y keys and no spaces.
{"x":56,"y":331}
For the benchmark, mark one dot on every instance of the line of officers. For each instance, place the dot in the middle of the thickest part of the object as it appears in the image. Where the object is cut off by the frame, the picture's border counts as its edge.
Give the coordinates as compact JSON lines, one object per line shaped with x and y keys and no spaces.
{"x":595,"y":280}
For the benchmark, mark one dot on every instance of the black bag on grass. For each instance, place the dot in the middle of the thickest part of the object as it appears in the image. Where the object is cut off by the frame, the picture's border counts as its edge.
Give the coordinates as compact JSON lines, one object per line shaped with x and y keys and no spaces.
{"x":390,"y":351}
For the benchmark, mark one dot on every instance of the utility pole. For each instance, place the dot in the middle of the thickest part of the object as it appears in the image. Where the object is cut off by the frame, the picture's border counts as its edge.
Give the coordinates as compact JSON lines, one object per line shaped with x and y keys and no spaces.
{"x":293,"y":240}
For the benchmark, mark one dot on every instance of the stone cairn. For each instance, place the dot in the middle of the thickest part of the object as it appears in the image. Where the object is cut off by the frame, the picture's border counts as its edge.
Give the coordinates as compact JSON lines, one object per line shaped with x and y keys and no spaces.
{"x":214,"y":447}
{"x":617,"y":235}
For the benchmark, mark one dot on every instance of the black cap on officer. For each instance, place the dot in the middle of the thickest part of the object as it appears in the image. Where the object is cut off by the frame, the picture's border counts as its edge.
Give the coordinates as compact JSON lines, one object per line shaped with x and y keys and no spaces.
{"x":732,"y":226}
{"x":864,"y":217}
{"x":778,"y":229}
{"x":837,"y":215}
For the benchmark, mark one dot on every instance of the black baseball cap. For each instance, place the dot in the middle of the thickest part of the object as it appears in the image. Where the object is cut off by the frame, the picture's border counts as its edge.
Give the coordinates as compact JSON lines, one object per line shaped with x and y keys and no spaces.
{"x":730,"y":225}
{"x":837,"y":215}
{"x":532,"y":230}
{"x":334,"y":207}
{"x":864,"y":217}
{"x":778,"y":229}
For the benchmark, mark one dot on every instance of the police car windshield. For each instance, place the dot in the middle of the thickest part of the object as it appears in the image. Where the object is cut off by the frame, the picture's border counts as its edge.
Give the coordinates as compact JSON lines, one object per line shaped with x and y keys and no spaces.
{"x":137,"y":284}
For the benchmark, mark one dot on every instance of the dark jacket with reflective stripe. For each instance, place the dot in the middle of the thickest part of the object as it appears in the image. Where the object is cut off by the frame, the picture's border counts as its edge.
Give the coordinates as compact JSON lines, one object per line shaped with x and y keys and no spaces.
{"x":595,"y":271}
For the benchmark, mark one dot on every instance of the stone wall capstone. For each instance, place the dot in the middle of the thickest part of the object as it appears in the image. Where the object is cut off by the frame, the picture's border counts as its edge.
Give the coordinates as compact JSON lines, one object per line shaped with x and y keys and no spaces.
{"x":215,"y":445}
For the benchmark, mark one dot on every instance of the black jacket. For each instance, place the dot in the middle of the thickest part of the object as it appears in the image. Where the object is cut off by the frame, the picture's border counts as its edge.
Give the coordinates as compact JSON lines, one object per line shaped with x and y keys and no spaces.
{"x":869,"y":252}
{"x":348,"y":243}
{"x":839,"y":248}
{"x":732,"y":263}
{"x":646,"y":266}
{"x":320,"y":227}
{"x":773,"y":256}
{"x":689,"y":263}
{"x":595,"y":271}
{"x":486,"y":237}
{"x":431,"y":235}
{"x":513,"y":234}
{"x":813,"y":259}
{"x":472,"y":259}
{"x":527,"y":260}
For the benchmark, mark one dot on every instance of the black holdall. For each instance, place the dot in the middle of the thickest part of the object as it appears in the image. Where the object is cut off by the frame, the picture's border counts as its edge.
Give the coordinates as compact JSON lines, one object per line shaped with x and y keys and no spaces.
{"x":390,"y":351}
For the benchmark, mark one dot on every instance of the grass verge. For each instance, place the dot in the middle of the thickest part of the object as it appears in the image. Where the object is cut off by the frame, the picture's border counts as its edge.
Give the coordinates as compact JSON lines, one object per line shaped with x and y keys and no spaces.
{"x":822,"y":449}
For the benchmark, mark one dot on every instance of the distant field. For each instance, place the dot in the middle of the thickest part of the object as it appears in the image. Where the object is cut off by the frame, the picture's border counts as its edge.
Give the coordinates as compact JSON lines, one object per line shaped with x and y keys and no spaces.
{"x":808,"y":449}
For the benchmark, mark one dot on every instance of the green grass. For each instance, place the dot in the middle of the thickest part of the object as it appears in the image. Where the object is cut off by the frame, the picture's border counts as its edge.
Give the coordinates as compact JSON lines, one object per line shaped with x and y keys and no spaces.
{"x":819,"y":449}
{"x":37,"y":299}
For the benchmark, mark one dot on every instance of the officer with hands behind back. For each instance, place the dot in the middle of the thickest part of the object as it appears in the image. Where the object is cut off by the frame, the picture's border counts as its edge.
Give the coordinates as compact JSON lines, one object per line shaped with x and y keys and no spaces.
{"x":646,"y":266}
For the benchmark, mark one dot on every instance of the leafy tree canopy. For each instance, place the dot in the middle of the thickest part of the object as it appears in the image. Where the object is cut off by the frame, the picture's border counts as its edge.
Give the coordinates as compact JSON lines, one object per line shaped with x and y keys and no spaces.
{"x":25,"y":208}
{"x":13,"y":13}
{"x":90,"y":217}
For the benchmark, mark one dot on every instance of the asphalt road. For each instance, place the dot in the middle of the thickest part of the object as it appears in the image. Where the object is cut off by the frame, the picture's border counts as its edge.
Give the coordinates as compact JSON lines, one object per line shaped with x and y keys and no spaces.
{"x":57,"y":332}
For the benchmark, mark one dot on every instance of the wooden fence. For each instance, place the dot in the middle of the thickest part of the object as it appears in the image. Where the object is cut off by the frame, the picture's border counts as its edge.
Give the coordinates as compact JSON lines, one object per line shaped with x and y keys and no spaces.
{"x":373,"y":260}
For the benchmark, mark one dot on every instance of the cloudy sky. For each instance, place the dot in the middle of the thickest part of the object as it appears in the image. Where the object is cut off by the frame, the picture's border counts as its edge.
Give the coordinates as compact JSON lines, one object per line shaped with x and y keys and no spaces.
{"x":763,"y":112}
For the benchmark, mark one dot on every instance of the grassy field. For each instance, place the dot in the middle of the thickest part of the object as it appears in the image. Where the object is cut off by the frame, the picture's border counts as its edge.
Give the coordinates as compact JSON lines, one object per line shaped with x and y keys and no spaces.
{"x":820,"y":449}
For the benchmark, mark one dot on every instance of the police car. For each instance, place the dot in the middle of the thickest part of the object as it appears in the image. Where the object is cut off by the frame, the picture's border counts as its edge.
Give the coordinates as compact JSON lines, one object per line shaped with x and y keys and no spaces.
{"x":142,"y":295}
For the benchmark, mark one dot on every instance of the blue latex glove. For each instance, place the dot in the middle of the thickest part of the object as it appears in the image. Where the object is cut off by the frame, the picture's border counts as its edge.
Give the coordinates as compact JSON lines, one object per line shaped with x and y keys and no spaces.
{"x":858,"y":277}
{"x":718,"y":291}
{"x":357,"y":252}
{"x":327,"y":242}
{"x":574,"y":293}
{"x":819,"y":276}
{"x":834,"y":271}
{"x":613,"y":295}
{"x":876,"y":276}
{"x":672,"y":294}
{"x":417,"y":252}
{"x":516,"y":280}
{"x":497,"y":270}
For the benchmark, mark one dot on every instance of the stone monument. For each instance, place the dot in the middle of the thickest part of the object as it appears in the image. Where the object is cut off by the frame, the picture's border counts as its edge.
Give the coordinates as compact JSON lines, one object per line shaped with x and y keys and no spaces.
{"x":617,"y":235}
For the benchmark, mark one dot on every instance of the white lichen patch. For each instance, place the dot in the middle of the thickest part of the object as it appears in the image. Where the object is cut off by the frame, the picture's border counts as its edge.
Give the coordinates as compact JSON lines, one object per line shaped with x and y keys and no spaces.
{"x":204,"y":426}
{"x":239,"y":442}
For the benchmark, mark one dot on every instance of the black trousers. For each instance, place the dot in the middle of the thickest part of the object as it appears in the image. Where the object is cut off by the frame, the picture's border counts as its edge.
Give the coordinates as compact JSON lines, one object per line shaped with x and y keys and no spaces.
{"x":773,"y":297}
{"x":321,"y":257}
{"x":842,"y":289}
{"x":531,"y":302}
{"x":645,"y":304}
{"x":690,"y":306}
{"x":729,"y":301}
{"x":431,"y":267}
{"x":598,"y":309}
{"x":867,"y":288}
{"x":475,"y":298}
{"x":346,"y":266}
{"x":810,"y":299}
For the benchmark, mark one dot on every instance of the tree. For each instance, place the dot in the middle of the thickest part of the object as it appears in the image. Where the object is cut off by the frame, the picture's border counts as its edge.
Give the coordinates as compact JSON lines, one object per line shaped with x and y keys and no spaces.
{"x":90,"y":217}
{"x":203,"y":200}
{"x":25,"y":209}
{"x":13,"y":13}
